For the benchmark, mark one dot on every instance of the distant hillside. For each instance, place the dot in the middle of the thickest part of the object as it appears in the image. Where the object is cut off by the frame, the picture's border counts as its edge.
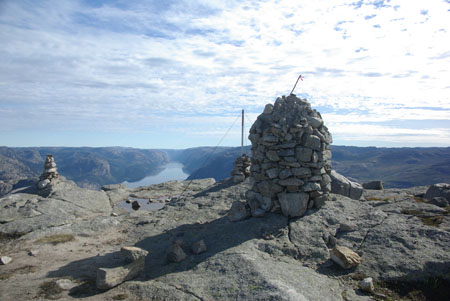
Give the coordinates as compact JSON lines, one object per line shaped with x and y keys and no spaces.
{"x":94,"y":167}
{"x":88,"y":167}
{"x":397,"y":167}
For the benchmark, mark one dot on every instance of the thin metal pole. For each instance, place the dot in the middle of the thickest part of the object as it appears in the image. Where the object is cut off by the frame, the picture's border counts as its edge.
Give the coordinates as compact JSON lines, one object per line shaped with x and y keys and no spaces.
{"x":296,"y":83}
{"x":242,"y":134}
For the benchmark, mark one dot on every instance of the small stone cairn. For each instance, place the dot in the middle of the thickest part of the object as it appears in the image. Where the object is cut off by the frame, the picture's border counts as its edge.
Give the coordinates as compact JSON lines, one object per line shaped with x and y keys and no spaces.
{"x":241,"y":169}
{"x":291,"y":159}
{"x":50,"y":172}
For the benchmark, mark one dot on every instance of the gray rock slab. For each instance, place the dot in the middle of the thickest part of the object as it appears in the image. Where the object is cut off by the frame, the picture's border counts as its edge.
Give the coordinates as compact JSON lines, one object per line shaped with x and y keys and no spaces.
{"x":293,"y":204}
{"x":111,"y":277}
{"x":343,"y":186}
{"x":438,"y":190}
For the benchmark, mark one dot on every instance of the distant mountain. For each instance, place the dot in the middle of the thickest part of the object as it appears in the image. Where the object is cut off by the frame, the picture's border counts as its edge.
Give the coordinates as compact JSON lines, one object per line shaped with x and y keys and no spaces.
{"x":88,"y":167}
{"x":93,"y":167}
{"x":397,"y":167}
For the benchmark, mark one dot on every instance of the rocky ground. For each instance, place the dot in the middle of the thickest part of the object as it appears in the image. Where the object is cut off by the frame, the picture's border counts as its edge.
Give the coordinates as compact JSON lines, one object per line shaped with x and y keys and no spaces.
{"x":402,"y":239}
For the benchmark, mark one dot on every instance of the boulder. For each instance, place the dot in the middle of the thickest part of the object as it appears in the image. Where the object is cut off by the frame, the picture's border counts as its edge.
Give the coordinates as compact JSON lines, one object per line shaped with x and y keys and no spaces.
{"x":345,"y":257}
{"x":111,"y":277}
{"x":367,"y":285}
{"x":238,"y":211}
{"x":343,"y":186}
{"x":373,"y":185}
{"x":65,"y":284}
{"x":438,"y":190}
{"x":439,"y":201}
{"x":199,"y":247}
{"x":4,"y":260}
{"x":176,"y":253}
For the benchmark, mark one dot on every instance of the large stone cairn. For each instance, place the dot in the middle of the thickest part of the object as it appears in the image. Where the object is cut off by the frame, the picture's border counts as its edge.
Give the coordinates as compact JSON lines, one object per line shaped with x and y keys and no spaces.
{"x":241,"y":169}
{"x":291,"y":159}
{"x":50,"y":172}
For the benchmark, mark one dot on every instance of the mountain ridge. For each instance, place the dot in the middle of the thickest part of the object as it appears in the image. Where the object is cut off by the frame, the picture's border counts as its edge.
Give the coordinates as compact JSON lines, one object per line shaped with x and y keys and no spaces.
{"x":93,"y":167}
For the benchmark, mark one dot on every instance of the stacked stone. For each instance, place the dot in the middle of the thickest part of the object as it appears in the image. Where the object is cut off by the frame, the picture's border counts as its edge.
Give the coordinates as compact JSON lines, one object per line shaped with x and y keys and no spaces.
{"x":50,"y":172}
{"x":241,"y":169}
{"x":291,"y":159}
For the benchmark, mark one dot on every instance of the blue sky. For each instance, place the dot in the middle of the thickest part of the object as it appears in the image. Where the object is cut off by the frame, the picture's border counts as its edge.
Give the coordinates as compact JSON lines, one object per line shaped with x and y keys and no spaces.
{"x":175,"y":74}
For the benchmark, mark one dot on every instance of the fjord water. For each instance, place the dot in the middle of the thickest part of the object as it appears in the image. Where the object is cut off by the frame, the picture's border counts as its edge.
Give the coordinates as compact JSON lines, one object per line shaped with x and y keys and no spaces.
{"x":172,"y":171}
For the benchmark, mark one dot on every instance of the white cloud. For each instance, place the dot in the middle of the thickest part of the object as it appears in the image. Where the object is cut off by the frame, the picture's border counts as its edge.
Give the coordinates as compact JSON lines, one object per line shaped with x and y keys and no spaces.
{"x":124,"y":66}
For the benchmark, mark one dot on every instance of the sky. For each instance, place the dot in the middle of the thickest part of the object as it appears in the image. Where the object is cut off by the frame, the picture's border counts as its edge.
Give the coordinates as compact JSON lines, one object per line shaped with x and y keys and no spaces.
{"x":177,"y":73}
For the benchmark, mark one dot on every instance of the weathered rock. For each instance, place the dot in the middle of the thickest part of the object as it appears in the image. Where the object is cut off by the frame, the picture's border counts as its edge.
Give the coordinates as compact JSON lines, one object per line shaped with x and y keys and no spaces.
{"x":343,"y":186}
{"x":176,"y":253}
{"x":133,"y":253}
{"x":293,"y":204}
{"x":439,"y":201}
{"x":4,"y":260}
{"x":347,"y":227}
{"x":374,"y":185}
{"x":135,"y":205}
{"x":238,"y":211}
{"x":345,"y":257}
{"x":199,"y":247}
{"x":277,"y":258}
{"x":65,"y":284}
{"x":111,"y":277}
{"x":43,"y":183}
{"x":367,"y":285}
{"x":438,"y":190}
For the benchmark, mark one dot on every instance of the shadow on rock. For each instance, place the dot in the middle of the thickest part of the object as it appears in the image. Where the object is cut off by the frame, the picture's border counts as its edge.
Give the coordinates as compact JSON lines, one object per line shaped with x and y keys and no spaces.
{"x":219,"y":235}
{"x":422,"y":284}
{"x":217,"y":187}
{"x":84,"y":271}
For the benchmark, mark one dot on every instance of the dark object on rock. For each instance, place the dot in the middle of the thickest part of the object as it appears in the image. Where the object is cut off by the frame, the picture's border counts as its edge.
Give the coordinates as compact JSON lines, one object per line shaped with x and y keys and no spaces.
{"x":291,"y":158}
{"x":343,"y":186}
{"x":135,"y":205}
{"x":374,"y":185}
{"x":199,"y":247}
{"x":439,"y":201}
{"x":176,"y":252}
{"x":438,"y":190}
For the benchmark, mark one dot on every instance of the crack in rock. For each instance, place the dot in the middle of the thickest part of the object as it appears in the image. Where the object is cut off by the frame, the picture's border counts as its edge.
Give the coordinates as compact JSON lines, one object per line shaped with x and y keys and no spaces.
{"x":183,"y":290}
{"x":370,"y":229}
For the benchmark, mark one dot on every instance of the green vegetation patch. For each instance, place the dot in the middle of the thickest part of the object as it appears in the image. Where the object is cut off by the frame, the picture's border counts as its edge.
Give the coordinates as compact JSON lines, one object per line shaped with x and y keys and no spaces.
{"x":373,"y":198}
{"x":49,"y":290}
{"x":22,"y":270}
{"x":420,"y":200}
{"x":56,"y":239}
{"x":434,"y":221}
{"x":120,"y":297}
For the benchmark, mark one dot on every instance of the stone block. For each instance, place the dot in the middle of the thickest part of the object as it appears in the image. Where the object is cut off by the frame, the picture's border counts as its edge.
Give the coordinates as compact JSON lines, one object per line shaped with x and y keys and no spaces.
{"x":345,"y":257}
{"x":293,"y":204}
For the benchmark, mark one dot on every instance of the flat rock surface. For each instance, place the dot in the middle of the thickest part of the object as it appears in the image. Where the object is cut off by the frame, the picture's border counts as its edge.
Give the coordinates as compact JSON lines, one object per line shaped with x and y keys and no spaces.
{"x":268,"y":258}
